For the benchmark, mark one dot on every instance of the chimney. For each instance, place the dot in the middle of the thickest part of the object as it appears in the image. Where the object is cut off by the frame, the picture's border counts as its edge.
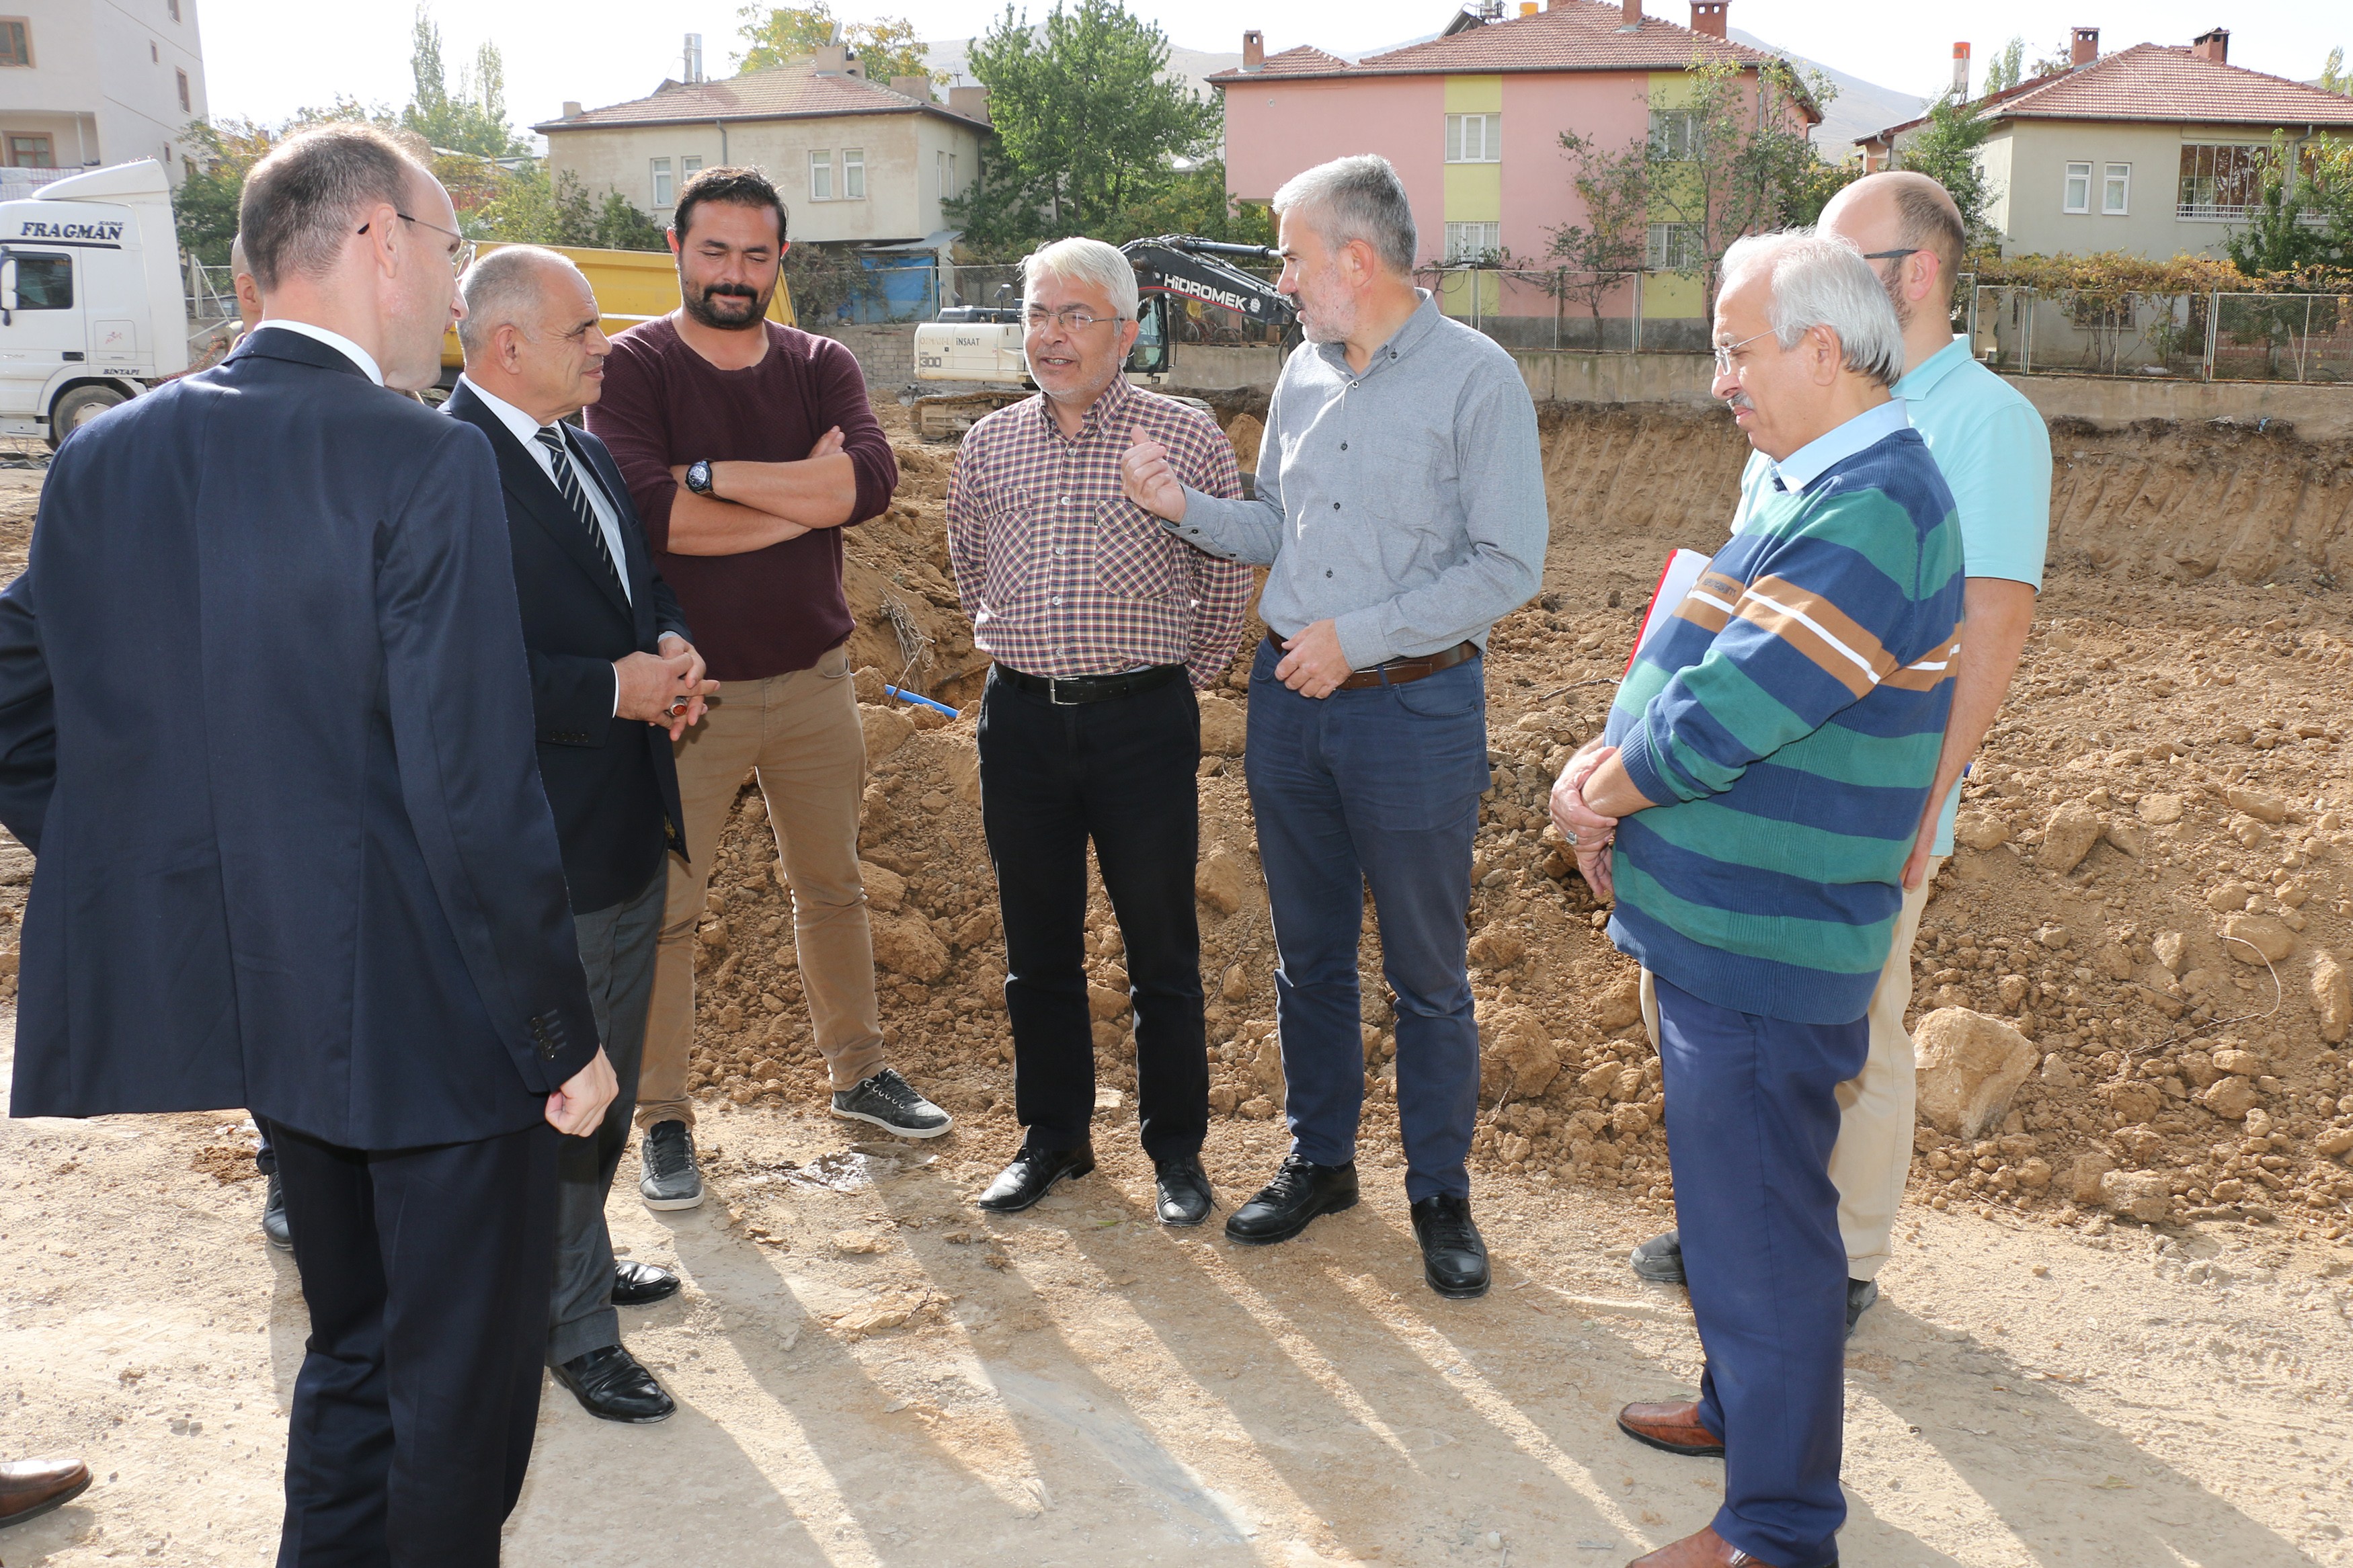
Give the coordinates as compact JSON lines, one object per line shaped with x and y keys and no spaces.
{"x":1708,"y":18}
{"x":830,"y":60}
{"x":918,"y":88}
{"x":571,"y":108}
{"x":1254,"y":50}
{"x":972,"y":102}
{"x":694,"y":57}
{"x":2215,"y":43}
{"x":1961,"y":70}
{"x":2086,"y":48}
{"x":1633,"y":14}
{"x":1529,"y":7}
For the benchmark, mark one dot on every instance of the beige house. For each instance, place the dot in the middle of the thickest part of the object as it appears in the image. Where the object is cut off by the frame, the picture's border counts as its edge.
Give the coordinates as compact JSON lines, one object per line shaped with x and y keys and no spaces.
{"x":83,"y":84}
{"x":2155,"y":150}
{"x":857,"y":161}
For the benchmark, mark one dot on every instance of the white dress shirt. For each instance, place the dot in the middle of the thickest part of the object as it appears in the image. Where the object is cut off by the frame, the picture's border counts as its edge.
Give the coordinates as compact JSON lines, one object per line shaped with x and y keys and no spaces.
{"x":335,"y":340}
{"x":527,"y":430}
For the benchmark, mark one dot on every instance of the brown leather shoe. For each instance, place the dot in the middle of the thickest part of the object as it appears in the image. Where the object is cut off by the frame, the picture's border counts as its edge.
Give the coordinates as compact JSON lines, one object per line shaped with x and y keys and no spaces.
{"x":29,"y":1487}
{"x":1706,"y":1550}
{"x":1673,"y":1428}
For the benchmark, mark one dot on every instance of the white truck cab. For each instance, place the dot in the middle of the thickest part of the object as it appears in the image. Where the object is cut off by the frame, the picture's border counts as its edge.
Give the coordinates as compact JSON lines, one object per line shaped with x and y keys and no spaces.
{"x":92,"y":312}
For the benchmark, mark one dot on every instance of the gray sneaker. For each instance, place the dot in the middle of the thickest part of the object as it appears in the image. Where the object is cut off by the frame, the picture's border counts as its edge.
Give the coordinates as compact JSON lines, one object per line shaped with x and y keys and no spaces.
{"x":1661,"y":1259}
{"x":891,"y":1102}
{"x":671,"y":1180}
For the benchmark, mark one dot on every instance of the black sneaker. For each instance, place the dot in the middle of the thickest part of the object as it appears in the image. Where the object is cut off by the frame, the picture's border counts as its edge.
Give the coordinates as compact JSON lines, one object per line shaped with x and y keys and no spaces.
{"x":891,"y":1103}
{"x":273,"y":1216}
{"x":1860,"y":1295}
{"x":1301,"y":1190}
{"x":1661,"y":1258}
{"x":671,"y":1180}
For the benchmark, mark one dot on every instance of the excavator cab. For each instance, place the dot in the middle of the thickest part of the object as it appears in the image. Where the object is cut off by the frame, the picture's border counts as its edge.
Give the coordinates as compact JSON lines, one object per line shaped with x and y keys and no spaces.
{"x":1151,"y":357}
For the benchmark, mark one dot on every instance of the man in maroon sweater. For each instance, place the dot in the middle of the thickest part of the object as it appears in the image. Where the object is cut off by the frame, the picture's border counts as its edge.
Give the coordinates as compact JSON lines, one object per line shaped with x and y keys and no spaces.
{"x":748,"y":446}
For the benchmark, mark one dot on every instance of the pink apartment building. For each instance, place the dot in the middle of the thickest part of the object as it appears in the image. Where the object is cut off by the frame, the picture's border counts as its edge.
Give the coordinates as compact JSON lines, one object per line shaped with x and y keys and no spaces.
{"x":1472,"y":121}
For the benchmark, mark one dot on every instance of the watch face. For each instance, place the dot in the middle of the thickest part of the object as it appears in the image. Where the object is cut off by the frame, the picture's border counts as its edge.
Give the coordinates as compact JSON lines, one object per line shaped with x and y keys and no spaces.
{"x":698,"y":477}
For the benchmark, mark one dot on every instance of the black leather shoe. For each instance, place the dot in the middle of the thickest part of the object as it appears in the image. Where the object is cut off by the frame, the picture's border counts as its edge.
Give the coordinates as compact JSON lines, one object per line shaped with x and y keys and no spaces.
{"x":281,"y":1235}
{"x":1661,"y":1258}
{"x":1301,"y":1190}
{"x":1454,"y":1254}
{"x":1860,"y":1295}
{"x":1182,"y":1190}
{"x":1032,"y":1175}
{"x":639,"y":1284}
{"x":612,"y":1386}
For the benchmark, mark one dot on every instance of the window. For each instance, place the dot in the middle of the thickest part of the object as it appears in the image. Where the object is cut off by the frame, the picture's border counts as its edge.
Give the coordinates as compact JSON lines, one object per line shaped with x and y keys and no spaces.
{"x":2116,"y":189}
{"x":688,"y":167}
{"x":30,"y":153}
{"x":853,"y":173}
{"x":183,"y":91}
{"x":44,"y":282}
{"x":173,"y":7}
{"x":16,"y":43}
{"x":2219,"y":180}
{"x":940,"y":174}
{"x":154,"y":54}
{"x":1675,"y":135}
{"x":661,"y":183}
{"x":1474,"y":137}
{"x":1473,"y":242}
{"x":2077,"y":197}
{"x":821,"y":176}
{"x":1672,"y":247}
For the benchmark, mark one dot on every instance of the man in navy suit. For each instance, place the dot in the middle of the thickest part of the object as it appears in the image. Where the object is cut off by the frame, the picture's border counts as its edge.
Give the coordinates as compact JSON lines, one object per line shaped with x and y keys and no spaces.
{"x":266,"y":720}
{"x":613,"y":681}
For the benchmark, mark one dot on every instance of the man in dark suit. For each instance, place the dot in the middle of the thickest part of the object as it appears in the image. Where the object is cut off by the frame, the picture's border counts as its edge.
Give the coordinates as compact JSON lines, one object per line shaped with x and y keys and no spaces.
{"x":613,"y":681}
{"x":265,"y":719}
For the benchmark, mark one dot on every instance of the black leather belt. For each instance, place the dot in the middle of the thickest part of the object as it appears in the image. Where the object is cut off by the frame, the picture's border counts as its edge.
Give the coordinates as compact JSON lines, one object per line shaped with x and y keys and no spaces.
{"x":1067,"y":690}
{"x":1397,"y":671}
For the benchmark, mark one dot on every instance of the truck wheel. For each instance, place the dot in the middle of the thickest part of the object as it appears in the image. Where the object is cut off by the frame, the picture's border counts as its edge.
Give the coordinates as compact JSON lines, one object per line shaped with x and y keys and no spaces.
{"x":78,"y":407}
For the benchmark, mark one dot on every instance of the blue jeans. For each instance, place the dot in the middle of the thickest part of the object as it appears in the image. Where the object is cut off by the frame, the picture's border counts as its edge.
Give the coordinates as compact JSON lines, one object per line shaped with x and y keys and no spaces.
{"x":1374,"y":788}
{"x":1752,"y":1112}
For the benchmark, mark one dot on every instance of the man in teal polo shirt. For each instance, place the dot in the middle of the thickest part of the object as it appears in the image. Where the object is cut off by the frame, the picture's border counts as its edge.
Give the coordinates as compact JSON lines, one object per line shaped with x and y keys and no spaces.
{"x":1995,"y":454}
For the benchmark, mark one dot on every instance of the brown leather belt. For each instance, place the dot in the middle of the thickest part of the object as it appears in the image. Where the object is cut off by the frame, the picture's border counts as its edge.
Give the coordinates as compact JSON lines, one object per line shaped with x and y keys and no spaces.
{"x":1397,"y":671}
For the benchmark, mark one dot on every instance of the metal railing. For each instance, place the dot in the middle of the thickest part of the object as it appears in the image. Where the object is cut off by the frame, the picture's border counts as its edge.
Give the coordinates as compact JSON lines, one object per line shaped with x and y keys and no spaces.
{"x":1565,"y":310}
{"x":2213,"y":336}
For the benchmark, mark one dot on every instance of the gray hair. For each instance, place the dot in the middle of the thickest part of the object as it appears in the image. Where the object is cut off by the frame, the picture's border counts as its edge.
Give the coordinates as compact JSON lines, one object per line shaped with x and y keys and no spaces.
{"x":1822,"y":281}
{"x":1079,"y":260}
{"x":502,"y":289}
{"x":299,"y":202}
{"x":1355,"y":198}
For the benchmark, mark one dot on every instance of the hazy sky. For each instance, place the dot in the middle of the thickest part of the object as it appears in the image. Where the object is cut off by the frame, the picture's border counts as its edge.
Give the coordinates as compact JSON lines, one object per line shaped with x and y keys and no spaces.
{"x":264,"y":58}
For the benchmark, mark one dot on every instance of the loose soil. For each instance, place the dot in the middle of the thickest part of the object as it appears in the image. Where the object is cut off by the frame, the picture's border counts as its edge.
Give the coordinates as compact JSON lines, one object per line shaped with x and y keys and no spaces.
{"x":871,"y":1372}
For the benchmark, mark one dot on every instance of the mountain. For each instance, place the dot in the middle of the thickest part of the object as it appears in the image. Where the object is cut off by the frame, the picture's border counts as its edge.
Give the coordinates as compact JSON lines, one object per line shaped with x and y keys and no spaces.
{"x":1860,"y":109}
{"x":1193,"y":67}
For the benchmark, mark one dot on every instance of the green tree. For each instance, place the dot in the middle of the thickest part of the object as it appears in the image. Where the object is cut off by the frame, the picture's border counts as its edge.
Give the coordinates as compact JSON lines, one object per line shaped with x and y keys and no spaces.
{"x":1946,"y":150}
{"x":1614,"y":186}
{"x":2301,"y":216}
{"x":472,"y":119}
{"x":2334,"y":77}
{"x":1195,"y":201}
{"x":1089,"y":133}
{"x":774,"y":36}
{"x":2007,"y":67}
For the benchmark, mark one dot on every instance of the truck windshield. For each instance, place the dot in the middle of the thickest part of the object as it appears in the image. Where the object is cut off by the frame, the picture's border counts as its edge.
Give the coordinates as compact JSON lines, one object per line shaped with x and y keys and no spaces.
{"x":44,"y":282}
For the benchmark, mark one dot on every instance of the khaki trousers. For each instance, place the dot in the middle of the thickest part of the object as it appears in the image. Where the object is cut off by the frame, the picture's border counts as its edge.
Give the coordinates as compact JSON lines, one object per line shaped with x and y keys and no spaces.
{"x":1877,"y":1106}
{"x":798,"y":734}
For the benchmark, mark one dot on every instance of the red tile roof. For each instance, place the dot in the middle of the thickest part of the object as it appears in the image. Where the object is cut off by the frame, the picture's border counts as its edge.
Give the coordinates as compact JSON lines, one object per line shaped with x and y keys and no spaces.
{"x":2164,"y":83}
{"x":780,"y":92}
{"x":1575,"y":35}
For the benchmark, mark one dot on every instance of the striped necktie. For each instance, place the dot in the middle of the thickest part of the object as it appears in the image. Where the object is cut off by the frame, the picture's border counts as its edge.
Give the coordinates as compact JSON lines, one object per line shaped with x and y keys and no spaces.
{"x":567,"y":480}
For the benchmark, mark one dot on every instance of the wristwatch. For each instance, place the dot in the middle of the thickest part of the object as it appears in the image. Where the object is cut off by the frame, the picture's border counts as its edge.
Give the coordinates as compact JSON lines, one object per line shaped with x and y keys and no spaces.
{"x":698,"y":477}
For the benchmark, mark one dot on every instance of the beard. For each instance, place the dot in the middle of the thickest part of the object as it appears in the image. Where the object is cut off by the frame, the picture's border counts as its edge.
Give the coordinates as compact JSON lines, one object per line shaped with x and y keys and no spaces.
{"x":1894,"y":287}
{"x":1327,"y":314}
{"x":726,"y":307}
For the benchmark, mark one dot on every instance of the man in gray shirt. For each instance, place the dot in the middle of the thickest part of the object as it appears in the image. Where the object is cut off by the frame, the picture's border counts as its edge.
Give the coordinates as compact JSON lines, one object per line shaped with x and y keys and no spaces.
{"x":1401,"y":506}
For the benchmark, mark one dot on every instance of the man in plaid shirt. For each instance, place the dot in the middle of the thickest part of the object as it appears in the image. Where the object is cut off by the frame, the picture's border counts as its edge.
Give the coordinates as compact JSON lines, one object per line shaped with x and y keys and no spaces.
{"x":1101,"y":624}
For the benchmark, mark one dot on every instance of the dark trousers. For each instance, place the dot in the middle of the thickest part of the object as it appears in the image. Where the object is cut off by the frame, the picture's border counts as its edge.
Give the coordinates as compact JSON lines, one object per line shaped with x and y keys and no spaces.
{"x":1373,"y":788}
{"x":1120,"y":771}
{"x":1752,"y":1114}
{"x":616,"y":949}
{"x":426,"y":1275}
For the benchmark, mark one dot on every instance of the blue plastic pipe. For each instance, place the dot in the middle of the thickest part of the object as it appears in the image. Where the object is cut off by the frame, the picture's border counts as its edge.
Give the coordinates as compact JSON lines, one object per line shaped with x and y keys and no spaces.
{"x":906,"y":696}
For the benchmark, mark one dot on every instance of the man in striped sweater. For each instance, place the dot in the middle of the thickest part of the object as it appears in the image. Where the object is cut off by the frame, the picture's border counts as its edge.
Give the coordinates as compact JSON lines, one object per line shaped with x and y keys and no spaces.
{"x":1757,"y":791}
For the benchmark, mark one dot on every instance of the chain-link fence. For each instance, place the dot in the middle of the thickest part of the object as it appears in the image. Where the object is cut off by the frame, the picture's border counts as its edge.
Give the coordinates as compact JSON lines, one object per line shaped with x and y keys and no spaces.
{"x":2202,"y":337}
{"x":2280,"y":337}
{"x":1584,"y":313}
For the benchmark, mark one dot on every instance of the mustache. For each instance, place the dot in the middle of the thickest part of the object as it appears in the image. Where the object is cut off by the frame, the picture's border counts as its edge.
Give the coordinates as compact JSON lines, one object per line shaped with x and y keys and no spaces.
{"x":1738,"y":400}
{"x":736,"y":291}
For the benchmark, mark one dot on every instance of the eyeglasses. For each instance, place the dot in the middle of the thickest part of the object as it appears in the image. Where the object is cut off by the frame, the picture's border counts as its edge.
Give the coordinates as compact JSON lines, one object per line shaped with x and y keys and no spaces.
{"x":460,"y":257}
{"x":1724,"y":351}
{"x":1891,"y":255}
{"x":1070,"y":318}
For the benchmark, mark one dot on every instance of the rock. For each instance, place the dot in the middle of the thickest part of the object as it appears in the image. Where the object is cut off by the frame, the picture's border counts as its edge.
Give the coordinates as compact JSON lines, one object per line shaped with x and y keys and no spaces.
{"x":1236,"y":985}
{"x":964,"y":774}
{"x":1495,"y":948}
{"x":2114,"y":962}
{"x":2230,"y":896}
{"x":2068,"y":836}
{"x":2145,"y":1195}
{"x":904,"y":944}
{"x":2244,"y":1063}
{"x":1224,"y":726}
{"x":2013,"y":990}
{"x":2334,"y":1141}
{"x":871,"y":685}
{"x":1109,"y":1036}
{"x":2136,"y":1100}
{"x":975,"y":928}
{"x":1980,"y":831}
{"x":1629,"y":1120}
{"x":2035,"y":1175}
{"x":2262,"y":808}
{"x":2052,"y":935}
{"x":887,"y":730}
{"x":2083,"y":1177}
{"x":1520,"y":1059}
{"x":2170,"y":948}
{"x":1599,"y":1081}
{"x":1224,"y":1098}
{"x":2160,"y":810}
{"x":1620,"y":1006}
{"x":2332,"y":999}
{"x":2056,"y":1073}
{"x":1102,"y":1002}
{"x":1257,"y":1109}
{"x":1969,"y":1066}
{"x":1225,"y":881}
{"x":2250,"y":935}
{"x":857,"y":1241}
{"x":886,"y":889}
{"x":2229,"y":1097}
{"x":2128,"y":838}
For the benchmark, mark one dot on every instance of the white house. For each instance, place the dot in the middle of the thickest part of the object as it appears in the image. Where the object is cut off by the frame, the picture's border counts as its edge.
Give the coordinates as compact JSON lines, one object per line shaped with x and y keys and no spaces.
{"x":86,"y":82}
